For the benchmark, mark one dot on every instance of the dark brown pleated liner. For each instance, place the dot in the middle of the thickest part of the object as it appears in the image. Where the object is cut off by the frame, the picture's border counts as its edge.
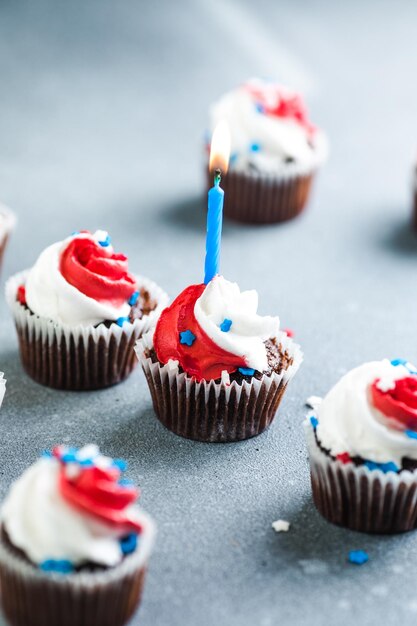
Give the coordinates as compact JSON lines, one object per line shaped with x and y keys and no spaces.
{"x":261,"y":199}
{"x":218,"y":419}
{"x":43,"y":602}
{"x":363,"y":500}
{"x":65,"y":363}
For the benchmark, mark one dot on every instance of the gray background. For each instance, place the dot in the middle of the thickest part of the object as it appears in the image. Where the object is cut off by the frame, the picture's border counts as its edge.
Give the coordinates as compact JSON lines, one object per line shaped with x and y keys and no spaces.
{"x":102,"y":115}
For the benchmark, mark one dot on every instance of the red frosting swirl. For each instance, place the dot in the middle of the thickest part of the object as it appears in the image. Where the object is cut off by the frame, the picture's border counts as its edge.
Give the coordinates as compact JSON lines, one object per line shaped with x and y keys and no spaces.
{"x":285,"y":104}
{"x":399,"y":403}
{"x":98,"y":493}
{"x":203,"y":359}
{"x":96,"y":272}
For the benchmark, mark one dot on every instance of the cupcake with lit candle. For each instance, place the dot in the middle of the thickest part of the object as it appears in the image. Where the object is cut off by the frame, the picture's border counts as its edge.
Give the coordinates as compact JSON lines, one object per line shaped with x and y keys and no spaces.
{"x":216,"y":369}
{"x":275,"y":152}
{"x":79,"y":311}
{"x":362,"y":441}
{"x":74,"y":545}
{"x":7,"y":223}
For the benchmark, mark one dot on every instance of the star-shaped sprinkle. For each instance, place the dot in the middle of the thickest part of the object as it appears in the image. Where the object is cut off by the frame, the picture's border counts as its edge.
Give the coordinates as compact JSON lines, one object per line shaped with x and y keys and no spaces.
{"x":344,"y":457}
{"x":412,"y":434}
{"x":225,"y":325}
{"x":61,"y":566}
{"x":255,"y":147}
{"x":384,"y":467}
{"x":358,"y":557}
{"x":121,"y":320}
{"x":133,"y":298}
{"x":281,"y":526}
{"x":314,"y":421}
{"x":246,"y":371}
{"x":187,"y":337}
{"x":396,"y":362}
{"x":128,"y":544}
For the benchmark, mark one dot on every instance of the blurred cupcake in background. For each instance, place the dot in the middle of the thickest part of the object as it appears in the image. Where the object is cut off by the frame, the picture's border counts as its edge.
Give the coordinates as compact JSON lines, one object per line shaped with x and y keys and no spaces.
{"x":79,"y":311}
{"x":275,"y":152}
{"x":362,"y":442}
{"x":7,"y":223}
{"x":74,"y":545}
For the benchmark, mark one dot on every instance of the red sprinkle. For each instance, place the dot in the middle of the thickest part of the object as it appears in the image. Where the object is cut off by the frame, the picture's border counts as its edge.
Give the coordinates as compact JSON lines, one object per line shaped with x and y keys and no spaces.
{"x":21,"y":294}
{"x":344,"y":457}
{"x":289,"y":332}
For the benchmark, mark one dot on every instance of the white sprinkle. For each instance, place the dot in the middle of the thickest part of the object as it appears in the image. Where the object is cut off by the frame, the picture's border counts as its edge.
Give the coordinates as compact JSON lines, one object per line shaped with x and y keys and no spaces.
{"x":314,"y":402}
{"x":172,"y":364}
{"x":72,"y":470}
{"x":225,"y":377}
{"x":88,"y":452}
{"x":100,"y":235}
{"x":281,"y":526}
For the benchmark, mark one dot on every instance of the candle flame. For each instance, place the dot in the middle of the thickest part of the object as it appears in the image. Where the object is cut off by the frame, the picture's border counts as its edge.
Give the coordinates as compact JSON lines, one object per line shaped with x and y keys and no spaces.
{"x":220,"y":148}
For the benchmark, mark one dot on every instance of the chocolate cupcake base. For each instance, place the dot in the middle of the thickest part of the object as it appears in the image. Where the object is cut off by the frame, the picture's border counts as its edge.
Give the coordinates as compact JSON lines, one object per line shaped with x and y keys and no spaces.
{"x":361,"y":499}
{"x":109,"y":597}
{"x":78,"y":359}
{"x":265,"y":199}
{"x":215,"y":411}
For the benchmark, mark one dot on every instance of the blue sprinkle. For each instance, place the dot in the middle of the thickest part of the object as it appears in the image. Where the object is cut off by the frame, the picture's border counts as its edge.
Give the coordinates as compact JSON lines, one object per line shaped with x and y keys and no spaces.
{"x":76,"y":232}
{"x":129,"y":543}
{"x":69,"y":457}
{"x":260,"y":107}
{"x":120,"y":464}
{"x":233,"y":158}
{"x":47,"y":454}
{"x":187,"y":337}
{"x":225,"y":325}
{"x":61,"y":566}
{"x":246,"y":371}
{"x":396,"y":362}
{"x":106,"y":242}
{"x":125,"y":482}
{"x":86,"y":462}
{"x":411,"y":433}
{"x":384,"y":467}
{"x":133,"y":298}
{"x":121,"y":320}
{"x":255,"y":147}
{"x":358,"y":557}
{"x":314,"y":421}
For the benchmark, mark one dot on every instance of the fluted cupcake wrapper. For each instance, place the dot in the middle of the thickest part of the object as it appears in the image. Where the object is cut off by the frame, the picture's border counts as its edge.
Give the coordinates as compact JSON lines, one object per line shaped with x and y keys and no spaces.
{"x":7,"y":223}
{"x":31,"y":597}
{"x":78,"y":358}
{"x":2,"y":387}
{"x":359,"y":498}
{"x":215,"y":411}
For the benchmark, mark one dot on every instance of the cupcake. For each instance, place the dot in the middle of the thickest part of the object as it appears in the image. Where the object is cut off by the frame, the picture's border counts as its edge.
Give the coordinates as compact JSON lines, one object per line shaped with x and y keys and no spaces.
{"x":276,"y":152}
{"x":7,"y":223}
{"x":216,"y":369}
{"x":362,"y":442}
{"x":78,"y":312}
{"x":74,"y":546}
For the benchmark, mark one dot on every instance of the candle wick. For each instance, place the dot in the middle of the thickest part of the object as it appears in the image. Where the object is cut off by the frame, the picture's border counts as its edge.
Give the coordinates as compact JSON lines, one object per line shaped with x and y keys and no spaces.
{"x":217,"y":177}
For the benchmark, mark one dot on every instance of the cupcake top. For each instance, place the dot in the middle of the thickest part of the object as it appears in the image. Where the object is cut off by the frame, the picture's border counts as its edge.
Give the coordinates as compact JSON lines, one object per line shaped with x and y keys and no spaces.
{"x":212,"y":330}
{"x":73,"y":508}
{"x":81,"y":281}
{"x":370,"y":416}
{"x":270,"y":129}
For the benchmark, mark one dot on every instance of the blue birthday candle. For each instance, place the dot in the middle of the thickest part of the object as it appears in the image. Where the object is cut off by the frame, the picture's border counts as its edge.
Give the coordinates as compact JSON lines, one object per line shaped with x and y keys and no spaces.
{"x":214,"y":229}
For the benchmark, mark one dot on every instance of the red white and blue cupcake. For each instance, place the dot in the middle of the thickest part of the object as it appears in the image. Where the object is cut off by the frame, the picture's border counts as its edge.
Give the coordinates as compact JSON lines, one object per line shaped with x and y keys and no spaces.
{"x":74,"y":545}
{"x":79,"y":311}
{"x":7,"y":224}
{"x":362,"y":441}
{"x":216,"y":369}
{"x":275,"y":151}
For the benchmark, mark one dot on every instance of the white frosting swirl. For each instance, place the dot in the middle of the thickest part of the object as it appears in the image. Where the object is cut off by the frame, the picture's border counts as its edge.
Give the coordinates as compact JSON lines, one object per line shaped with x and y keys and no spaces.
{"x":222,"y":300}
{"x":278,"y":138}
{"x":49,"y":295}
{"x":348,"y":422}
{"x":40,"y":522}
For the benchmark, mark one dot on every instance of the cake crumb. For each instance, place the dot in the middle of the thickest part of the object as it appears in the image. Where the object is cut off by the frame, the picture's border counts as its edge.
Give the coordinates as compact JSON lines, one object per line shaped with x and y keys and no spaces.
{"x":281,"y":526}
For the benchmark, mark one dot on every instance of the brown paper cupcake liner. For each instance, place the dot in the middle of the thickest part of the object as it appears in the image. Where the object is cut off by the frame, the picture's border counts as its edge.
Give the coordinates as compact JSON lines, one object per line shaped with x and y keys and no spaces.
{"x":358,"y":498}
{"x":77,"y":358}
{"x":210,"y":411}
{"x":264,"y":199}
{"x":109,"y":597}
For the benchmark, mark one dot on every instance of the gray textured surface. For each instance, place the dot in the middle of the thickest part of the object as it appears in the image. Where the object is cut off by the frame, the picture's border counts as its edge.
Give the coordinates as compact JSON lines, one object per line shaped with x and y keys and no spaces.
{"x":102,"y":112}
